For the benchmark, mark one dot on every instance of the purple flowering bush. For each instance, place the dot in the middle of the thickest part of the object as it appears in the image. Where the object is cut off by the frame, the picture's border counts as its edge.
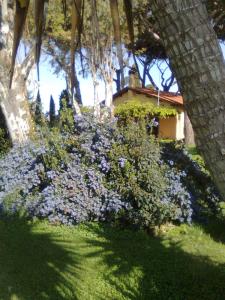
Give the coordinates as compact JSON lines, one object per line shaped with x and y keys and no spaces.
{"x":56,"y":180}
{"x":154,"y":190}
{"x":197,"y":179}
{"x":99,"y":172}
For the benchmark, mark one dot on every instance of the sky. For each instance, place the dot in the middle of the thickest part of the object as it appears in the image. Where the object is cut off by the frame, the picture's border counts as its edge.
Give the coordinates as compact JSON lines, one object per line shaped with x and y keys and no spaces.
{"x":51,"y":84}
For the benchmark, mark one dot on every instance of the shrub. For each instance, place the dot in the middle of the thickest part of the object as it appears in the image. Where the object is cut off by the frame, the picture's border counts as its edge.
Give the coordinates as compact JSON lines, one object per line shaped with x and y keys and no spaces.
{"x":38,"y":180}
{"x":4,"y":142}
{"x":134,"y":110}
{"x":137,"y":172}
{"x":197,"y":179}
{"x":102,"y":172}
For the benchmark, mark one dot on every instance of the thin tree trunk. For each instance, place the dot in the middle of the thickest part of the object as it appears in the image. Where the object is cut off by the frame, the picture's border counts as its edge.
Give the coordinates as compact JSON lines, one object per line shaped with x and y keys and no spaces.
{"x":198,"y":65}
{"x":117,"y":34}
{"x":108,"y":94}
{"x":118,"y":80}
{"x":97,"y":111}
{"x":78,"y":96}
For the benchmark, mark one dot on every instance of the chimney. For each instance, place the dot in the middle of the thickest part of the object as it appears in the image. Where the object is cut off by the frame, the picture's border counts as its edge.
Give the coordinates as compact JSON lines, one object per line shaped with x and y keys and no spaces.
{"x":134,"y":81}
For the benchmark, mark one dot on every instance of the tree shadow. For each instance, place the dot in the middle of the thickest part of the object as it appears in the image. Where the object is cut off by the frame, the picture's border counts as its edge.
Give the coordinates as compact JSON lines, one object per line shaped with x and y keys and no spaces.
{"x":33,"y":263}
{"x":145,"y":267}
{"x":215,"y":227}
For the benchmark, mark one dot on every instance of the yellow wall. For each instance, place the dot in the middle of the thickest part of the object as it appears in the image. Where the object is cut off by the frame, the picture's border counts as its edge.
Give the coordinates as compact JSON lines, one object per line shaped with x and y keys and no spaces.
{"x":180,"y":126}
{"x":129,"y":96}
{"x":169,"y":128}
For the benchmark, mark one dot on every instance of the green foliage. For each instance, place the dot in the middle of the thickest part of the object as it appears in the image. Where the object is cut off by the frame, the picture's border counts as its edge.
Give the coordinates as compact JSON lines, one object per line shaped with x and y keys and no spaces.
{"x":198,"y":159}
{"x":4,"y":142}
{"x":197,"y":179}
{"x":222,"y":209}
{"x":64,"y":100}
{"x":57,"y":154}
{"x":66,"y":117}
{"x":38,"y":113}
{"x":66,"y":114}
{"x":10,"y":199}
{"x":52,"y":115}
{"x":101,"y":169}
{"x":134,"y":110}
{"x":138,"y":174}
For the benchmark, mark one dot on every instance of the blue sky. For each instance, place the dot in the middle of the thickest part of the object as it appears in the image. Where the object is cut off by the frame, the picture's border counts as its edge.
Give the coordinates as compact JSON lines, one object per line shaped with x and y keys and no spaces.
{"x":51,"y":84}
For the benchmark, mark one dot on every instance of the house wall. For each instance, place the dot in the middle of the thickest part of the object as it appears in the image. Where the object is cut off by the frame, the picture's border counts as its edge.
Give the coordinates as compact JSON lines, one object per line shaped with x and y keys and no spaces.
{"x":129,"y":96}
{"x":169,"y":128}
{"x":180,"y":126}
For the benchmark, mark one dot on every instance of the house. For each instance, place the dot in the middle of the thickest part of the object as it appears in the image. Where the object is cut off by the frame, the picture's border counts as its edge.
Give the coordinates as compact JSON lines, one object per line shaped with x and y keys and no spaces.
{"x":172,"y":127}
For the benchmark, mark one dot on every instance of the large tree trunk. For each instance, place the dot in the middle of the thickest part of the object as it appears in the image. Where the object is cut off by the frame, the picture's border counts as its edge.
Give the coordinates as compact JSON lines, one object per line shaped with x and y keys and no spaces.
{"x":16,"y":112}
{"x":13,"y":101}
{"x":198,"y":64}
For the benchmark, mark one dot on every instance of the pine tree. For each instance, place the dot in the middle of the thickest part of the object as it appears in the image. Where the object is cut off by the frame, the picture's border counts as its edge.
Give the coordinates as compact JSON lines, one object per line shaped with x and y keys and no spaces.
{"x":52,"y":115}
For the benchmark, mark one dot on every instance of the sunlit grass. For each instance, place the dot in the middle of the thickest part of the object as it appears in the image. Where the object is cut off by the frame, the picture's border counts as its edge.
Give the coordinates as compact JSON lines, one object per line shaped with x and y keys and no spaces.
{"x":40,"y":261}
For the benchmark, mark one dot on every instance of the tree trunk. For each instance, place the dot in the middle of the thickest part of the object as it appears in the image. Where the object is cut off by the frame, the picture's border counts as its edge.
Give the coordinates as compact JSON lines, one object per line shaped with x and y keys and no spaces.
{"x":17,"y":115}
{"x":13,"y":101}
{"x":118,"y":80}
{"x":198,"y":65}
{"x":109,"y":93}
{"x":117,"y":34}
{"x":97,"y":111}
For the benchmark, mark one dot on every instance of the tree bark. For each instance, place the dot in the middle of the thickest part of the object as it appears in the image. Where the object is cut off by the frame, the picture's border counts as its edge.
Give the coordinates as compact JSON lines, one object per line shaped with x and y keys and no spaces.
{"x":109,"y":94}
{"x":13,"y":101}
{"x":117,"y":34}
{"x":198,"y":65}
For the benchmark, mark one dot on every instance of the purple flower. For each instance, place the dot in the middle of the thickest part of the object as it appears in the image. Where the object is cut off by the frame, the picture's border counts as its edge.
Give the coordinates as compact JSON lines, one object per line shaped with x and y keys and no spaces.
{"x":122,"y":162}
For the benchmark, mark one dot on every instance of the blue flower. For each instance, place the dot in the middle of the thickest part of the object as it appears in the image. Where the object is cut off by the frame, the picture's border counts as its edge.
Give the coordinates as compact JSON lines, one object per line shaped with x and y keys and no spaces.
{"x":122,"y":162}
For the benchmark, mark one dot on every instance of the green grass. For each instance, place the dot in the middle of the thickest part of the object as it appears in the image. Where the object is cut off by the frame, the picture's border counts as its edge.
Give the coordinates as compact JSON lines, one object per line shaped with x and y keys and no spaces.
{"x":39,"y":261}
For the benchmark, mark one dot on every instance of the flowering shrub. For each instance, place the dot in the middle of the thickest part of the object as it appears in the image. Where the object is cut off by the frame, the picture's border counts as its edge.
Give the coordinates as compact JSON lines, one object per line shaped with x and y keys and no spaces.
{"x":154,"y":190}
{"x":197,"y":179}
{"x":100,"y":172}
{"x":73,"y":194}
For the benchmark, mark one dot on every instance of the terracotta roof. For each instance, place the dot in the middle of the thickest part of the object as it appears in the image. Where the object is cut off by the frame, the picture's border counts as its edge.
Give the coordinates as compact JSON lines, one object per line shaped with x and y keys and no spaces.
{"x":172,"y":98}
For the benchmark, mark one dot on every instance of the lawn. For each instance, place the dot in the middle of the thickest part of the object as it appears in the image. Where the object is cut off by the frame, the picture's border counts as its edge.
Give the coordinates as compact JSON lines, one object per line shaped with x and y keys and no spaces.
{"x":39,"y":261}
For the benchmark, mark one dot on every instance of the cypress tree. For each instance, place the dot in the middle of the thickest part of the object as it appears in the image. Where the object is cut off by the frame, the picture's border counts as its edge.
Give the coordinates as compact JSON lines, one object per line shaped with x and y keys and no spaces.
{"x":38,"y":115}
{"x":64,"y":100}
{"x":52,"y":115}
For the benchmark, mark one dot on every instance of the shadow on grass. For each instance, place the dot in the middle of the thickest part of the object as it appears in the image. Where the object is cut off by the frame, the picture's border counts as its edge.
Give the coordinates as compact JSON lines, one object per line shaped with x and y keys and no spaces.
{"x":215,"y":227}
{"x":32,"y":262}
{"x":144,"y":267}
